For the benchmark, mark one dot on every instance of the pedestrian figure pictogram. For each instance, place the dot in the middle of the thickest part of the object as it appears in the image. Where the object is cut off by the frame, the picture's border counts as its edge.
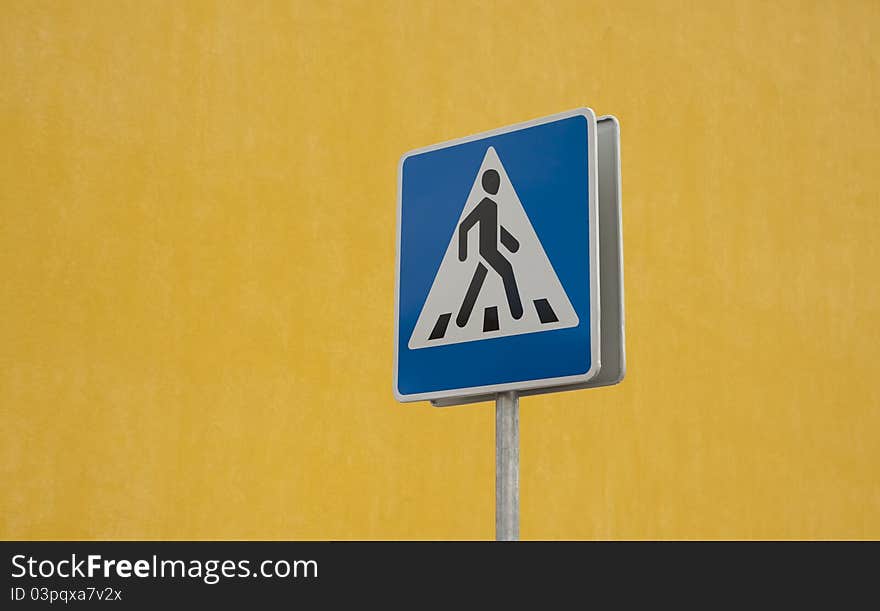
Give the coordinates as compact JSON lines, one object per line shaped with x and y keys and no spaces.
{"x":485,"y":218}
{"x":496,"y":264}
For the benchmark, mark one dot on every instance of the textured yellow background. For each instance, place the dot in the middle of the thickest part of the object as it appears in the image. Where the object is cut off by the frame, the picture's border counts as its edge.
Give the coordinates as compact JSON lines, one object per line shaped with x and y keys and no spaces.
{"x":197,"y":207}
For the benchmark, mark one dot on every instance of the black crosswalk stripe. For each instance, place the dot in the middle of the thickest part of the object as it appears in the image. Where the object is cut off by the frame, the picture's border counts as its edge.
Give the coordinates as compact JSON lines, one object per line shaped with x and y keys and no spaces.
{"x":440,"y":326}
{"x":490,"y":319}
{"x":545,"y":312}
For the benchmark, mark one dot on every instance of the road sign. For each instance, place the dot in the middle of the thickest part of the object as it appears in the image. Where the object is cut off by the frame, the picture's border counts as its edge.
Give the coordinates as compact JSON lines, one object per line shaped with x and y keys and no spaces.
{"x":498,"y":262}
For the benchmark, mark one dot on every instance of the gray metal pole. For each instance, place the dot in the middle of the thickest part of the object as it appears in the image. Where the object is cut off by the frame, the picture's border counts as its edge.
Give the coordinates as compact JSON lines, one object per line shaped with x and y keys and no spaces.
{"x":507,"y":467}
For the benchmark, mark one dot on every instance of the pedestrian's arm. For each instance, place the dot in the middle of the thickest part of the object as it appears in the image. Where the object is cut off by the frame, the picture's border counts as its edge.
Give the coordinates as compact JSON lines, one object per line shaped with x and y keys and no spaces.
{"x":510,"y":242}
{"x":469,"y":221}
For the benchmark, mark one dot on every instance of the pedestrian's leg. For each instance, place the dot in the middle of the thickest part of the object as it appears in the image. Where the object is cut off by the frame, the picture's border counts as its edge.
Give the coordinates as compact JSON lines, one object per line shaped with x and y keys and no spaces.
{"x":504,"y":269}
{"x":470,"y":297}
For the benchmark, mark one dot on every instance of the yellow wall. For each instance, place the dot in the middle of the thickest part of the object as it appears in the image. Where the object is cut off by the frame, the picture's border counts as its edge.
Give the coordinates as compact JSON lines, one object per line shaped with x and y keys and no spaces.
{"x":197,"y":207}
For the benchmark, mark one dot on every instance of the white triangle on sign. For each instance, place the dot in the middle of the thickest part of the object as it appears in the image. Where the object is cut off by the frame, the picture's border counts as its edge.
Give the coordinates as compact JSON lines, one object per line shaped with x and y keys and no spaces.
{"x":468,"y":300}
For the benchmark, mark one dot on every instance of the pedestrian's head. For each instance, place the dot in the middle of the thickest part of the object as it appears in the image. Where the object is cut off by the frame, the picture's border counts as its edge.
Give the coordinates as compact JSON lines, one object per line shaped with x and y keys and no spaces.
{"x":491,"y":181}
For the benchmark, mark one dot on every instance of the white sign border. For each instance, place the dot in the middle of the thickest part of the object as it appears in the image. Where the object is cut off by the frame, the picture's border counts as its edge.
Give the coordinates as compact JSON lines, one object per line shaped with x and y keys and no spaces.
{"x":593,"y":211}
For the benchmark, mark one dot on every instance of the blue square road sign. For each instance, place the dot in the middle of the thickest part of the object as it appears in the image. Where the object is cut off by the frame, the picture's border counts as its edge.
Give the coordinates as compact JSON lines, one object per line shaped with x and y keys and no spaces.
{"x":497,"y":272}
